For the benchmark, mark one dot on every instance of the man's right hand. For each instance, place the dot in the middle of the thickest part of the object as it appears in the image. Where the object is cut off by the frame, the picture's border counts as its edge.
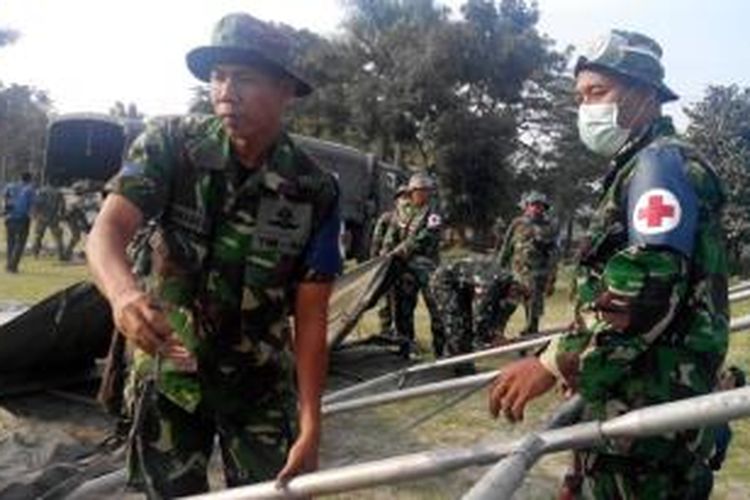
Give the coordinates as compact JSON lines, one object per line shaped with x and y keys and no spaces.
{"x":517,"y":384}
{"x":142,"y":321}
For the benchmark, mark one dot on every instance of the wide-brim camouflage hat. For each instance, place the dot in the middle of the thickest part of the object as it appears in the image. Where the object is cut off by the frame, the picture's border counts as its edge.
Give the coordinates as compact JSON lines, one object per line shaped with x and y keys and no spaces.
{"x":243,"y":39}
{"x":629,"y":54}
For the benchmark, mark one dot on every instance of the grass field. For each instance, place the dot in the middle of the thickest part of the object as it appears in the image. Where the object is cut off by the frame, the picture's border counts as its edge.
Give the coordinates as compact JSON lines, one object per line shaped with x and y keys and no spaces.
{"x":385,"y":431}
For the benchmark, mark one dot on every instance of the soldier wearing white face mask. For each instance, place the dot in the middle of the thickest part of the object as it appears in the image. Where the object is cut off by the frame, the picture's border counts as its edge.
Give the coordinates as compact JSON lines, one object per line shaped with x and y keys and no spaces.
{"x":652,"y":284}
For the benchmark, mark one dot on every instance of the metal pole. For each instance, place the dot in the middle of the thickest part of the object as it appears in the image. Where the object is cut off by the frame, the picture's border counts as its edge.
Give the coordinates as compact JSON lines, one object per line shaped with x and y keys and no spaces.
{"x":502,"y":481}
{"x":471,"y":381}
{"x":742,"y":323}
{"x":400,"y":468}
{"x":679,"y":415}
{"x":742,"y":285}
{"x":739,"y":296}
{"x":508,"y":474}
{"x":357,"y":389}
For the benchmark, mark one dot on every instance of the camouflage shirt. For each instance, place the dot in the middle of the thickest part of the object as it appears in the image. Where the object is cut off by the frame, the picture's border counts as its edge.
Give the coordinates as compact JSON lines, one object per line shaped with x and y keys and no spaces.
{"x":530,"y":247}
{"x":49,"y":204}
{"x":231,"y":247}
{"x":655,"y":255}
{"x":420,"y":235}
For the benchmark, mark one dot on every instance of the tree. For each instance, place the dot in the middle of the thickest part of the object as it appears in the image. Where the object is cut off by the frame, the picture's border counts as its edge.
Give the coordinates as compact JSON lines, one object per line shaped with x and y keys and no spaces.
{"x":23,"y":125}
{"x":720,"y":129}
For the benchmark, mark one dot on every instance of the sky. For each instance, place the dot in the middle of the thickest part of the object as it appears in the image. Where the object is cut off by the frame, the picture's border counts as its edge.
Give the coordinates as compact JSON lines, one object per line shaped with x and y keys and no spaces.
{"x":90,"y":53}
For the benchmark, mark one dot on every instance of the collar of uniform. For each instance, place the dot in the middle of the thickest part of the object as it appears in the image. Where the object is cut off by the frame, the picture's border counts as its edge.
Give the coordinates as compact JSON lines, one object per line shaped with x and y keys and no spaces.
{"x":208,"y":147}
{"x":661,"y":126}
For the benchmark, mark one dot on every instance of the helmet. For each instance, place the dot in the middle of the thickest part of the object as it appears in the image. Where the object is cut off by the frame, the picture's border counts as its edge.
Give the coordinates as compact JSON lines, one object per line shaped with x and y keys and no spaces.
{"x":421,"y":180}
{"x":628,"y":54}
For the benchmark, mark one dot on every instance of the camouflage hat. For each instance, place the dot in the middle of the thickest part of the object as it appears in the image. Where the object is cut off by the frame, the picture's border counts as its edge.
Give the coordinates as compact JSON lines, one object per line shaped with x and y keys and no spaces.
{"x":628,"y":54}
{"x":535,"y":197}
{"x":421,"y":180}
{"x":243,"y":39}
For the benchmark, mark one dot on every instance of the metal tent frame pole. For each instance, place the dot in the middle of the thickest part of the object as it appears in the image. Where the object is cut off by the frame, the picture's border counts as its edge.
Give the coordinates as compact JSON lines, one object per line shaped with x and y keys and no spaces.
{"x":654,"y":420}
{"x":431,"y":389}
{"x":402,"y":374}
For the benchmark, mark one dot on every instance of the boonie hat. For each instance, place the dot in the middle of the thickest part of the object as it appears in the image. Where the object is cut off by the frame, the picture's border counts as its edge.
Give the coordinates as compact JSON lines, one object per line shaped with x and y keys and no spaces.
{"x":629,"y":54}
{"x":243,"y":39}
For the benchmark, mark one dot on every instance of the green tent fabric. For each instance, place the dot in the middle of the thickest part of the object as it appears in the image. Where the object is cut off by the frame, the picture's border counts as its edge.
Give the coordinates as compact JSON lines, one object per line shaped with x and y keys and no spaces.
{"x":355,"y":292}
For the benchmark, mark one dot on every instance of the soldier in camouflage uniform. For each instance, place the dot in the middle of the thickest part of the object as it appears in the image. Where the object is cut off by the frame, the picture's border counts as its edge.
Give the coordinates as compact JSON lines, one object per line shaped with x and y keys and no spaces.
{"x":75,"y":218}
{"x":418,"y":251}
{"x":246,"y":233}
{"x":385,"y":237}
{"x":474,"y":295}
{"x":530,"y":251}
{"x":49,"y":208}
{"x":652,"y":283}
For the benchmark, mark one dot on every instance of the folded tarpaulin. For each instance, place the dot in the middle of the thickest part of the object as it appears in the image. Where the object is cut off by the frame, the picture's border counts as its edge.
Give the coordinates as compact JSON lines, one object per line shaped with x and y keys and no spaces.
{"x":357,"y":291}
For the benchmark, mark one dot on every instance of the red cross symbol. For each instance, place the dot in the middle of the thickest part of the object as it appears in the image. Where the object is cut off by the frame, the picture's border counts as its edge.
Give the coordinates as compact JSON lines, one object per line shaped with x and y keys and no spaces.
{"x":656,"y":211}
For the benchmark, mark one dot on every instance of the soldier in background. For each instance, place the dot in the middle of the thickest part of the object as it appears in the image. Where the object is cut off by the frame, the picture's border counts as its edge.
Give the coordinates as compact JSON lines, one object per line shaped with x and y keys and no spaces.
{"x":49,"y":210}
{"x":75,"y":217}
{"x":474,"y":296}
{"x":530,"y":251}
{"x":419,"y":252}
{"x":385,"y":237}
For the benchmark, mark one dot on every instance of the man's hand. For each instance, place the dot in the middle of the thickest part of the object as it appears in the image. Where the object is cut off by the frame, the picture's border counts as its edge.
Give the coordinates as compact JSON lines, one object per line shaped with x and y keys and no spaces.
{"x":519,"y":383}
{"x":302,"y":458}
{"x":141,"y":320}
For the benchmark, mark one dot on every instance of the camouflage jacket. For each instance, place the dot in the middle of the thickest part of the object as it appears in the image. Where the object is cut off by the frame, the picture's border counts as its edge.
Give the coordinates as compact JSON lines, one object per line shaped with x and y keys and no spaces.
{"x":652,"y":287}
{"x":530,"y":247}
{"x":420,"y":235}
{"x":379,"y":231}
{"x":49,"y":204}
{"x":230,"y":249}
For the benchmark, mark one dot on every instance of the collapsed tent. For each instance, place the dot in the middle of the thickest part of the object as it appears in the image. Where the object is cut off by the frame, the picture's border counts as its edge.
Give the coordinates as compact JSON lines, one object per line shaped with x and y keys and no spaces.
{"x":68,"y":329}
{"x":355,"y":292}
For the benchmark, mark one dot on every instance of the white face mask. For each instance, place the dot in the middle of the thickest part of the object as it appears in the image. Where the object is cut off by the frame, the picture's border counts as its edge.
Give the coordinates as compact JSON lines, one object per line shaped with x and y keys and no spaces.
{"x":598,"y":128}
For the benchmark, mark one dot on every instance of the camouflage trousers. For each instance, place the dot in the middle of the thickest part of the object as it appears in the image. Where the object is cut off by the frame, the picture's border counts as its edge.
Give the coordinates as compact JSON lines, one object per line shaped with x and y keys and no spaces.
{"x":169,"y":448}
{"x":616,"y":478}
{"x":533,"y":304}
{"x":411,"y":281}
{"x":385,"y":311}
{"x":41,"y":225}
{"x":470,"y":311}
{"x":77,"y":225}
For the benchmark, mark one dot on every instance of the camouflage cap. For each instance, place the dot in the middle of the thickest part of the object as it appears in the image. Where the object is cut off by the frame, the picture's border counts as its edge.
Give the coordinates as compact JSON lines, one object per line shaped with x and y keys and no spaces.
{"x":421,"y":180}
{"x":243,"y":39}
{"x":628,"y":54}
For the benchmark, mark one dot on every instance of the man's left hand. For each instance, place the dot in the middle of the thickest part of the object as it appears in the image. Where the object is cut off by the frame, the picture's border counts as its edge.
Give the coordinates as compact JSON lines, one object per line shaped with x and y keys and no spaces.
{"x":302,"y":458}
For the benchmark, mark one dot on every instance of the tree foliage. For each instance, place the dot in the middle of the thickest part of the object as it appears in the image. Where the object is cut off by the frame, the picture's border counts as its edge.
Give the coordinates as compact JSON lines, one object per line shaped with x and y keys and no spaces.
{"x":720,"y":128}
{"x":23,"y":124}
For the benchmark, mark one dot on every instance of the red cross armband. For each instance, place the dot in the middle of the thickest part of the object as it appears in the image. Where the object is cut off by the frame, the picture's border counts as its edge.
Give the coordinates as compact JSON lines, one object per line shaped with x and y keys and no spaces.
{"x":662,"y":203}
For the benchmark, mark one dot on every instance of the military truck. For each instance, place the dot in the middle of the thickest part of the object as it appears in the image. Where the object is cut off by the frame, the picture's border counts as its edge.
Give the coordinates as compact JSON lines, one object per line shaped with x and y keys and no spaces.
{"x":367,"y":188}
{"x":91,"y":146}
